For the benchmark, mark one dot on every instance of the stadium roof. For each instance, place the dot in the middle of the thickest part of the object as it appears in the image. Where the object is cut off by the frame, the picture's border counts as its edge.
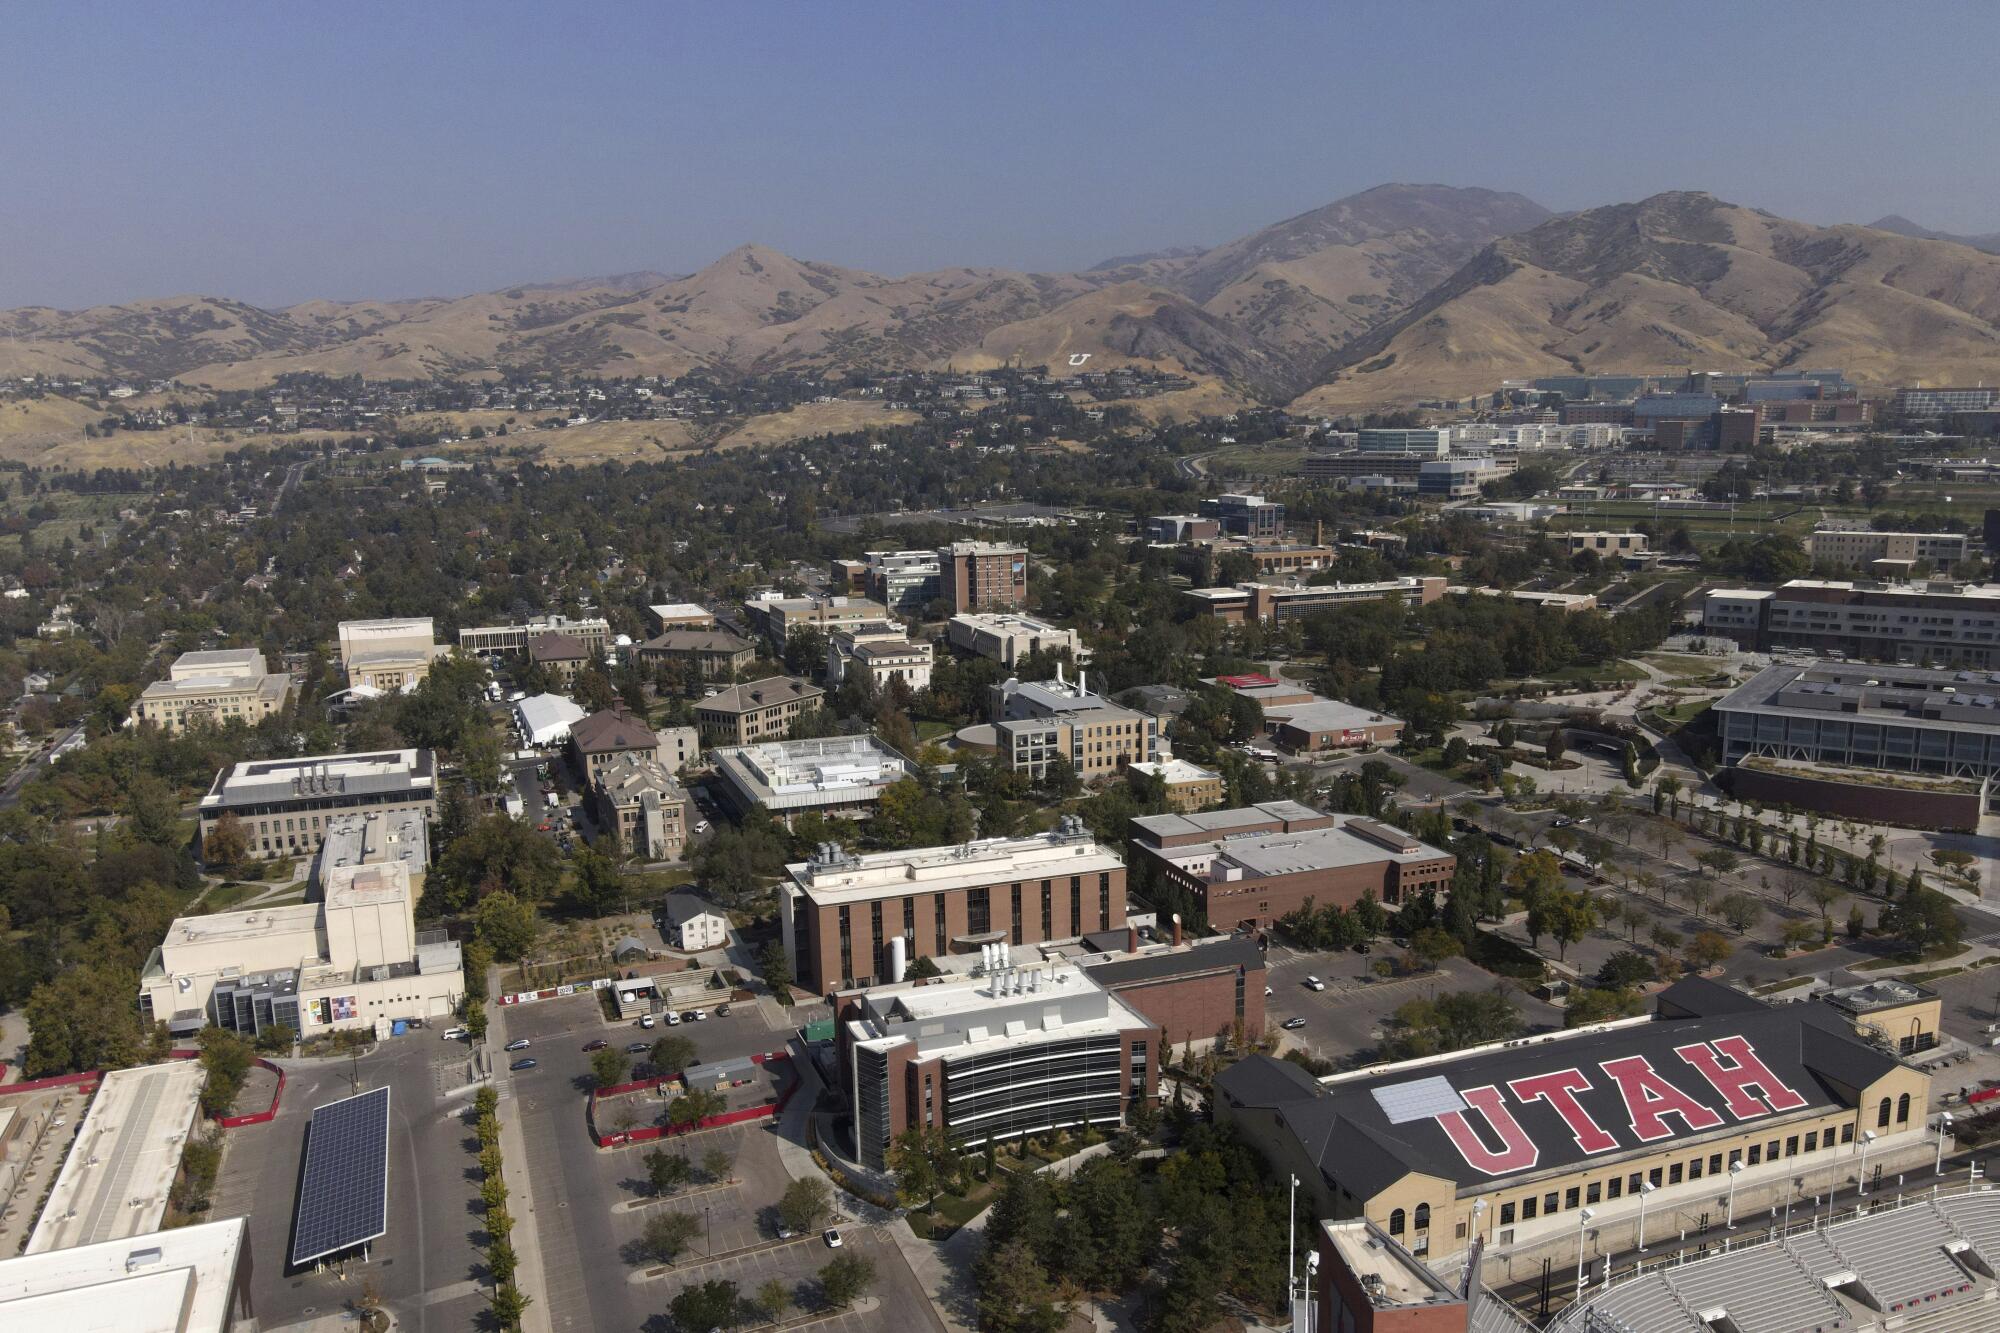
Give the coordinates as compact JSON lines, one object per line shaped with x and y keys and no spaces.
{"x":344,"y":1188}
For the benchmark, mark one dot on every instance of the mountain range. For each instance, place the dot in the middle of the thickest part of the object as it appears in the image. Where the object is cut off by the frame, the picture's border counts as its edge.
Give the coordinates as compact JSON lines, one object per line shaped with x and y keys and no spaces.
{"x":1394,"y":294}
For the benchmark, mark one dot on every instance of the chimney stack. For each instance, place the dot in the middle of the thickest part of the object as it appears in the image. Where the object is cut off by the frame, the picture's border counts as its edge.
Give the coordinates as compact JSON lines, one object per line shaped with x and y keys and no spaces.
{"x":1131,"y":938}
{"x":1177,"y":930}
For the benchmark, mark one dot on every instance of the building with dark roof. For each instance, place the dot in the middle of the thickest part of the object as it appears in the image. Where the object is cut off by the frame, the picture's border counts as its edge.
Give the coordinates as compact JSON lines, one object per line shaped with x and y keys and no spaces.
{"x":1700,"y":1108}
{"x":561,"y":655}
{"x":711,"y":653}
{"x":759,"y":710}
{"x":287,"y":805}
{"x":602,"y":739}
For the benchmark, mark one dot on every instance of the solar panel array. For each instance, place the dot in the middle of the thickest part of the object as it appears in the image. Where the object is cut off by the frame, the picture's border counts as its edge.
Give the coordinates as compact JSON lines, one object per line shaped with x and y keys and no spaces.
{"x":1419,"y":1099}
{"x":344,"y":1191}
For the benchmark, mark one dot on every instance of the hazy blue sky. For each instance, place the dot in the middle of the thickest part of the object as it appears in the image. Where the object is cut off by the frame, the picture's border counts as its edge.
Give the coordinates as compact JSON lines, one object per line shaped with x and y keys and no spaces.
{"x":276,"y":152}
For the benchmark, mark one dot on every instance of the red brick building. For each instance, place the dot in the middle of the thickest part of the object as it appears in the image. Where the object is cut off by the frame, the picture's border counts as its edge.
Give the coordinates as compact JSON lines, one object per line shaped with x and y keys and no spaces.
{"x":984,"y":576}
{"x":1194,"y":993}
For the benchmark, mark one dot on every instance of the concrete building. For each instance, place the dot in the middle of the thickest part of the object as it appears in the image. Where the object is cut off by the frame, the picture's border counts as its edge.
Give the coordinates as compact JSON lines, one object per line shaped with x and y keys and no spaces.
{"x":1888,"y":554}
{"x":594,"y":632}
{"x":694,"y":924}
{"x":1250,"y":866}
{"x":602,"y":739}
{"x":388,"y":655}
{"x":115,"y":1181}
{"x":983,"y":576}
{"x":777,"y":617}
{"x":1329,"y":724}
{"x":904,"y":581}
{"x":1454,"y":478}
{"x":1716,"y":1095}
{"x":878,"y":652}
{"x":286,"y":805}
{"x":836,"y":776}
{"x":1038,"y":725}
{"x":1611,"y":545}
{"x":230,"y":685}
{"x":1014,"y":1053}
{"x":1346,"y":467}
{"x":348,"y":960}
{"x":193,"y":1279}
{"x":1175,"y":528}
{"x":1936,"y":622}
{"x":1276,"y":603}
{"x":1007,"y":639}
{"x":1274,"y":558}
{"x":1424,"y":441}
{"x":1189,"y":786}
{"x":1240,"y":514}
{"x":670,"y":616}
{"x":638,"y":797}
{"x":840,"y":912}
{"x":1930,"y":404}
{"x":712,"y":654}
{"x":755,"y":711}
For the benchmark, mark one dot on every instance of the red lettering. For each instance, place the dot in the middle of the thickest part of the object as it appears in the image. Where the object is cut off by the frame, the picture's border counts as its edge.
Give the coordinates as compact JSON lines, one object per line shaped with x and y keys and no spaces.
{"x":1649,"y":1098}
{"x":1743,"y":1072}
{"x":1559,"y":1091}
{"x":1517,"y":1151}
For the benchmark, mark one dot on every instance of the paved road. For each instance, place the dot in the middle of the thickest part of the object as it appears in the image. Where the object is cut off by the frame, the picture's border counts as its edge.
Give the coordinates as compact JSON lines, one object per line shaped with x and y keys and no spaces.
{"x":10,"y":790}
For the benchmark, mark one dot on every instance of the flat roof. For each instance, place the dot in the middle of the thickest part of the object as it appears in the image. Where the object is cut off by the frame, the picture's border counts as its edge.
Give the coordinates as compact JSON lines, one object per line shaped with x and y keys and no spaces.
{"x":1947,"y":698}
{"x":784,"y":775}
{"x":1174,"y":770}
{"x":265,"y":780}
{"x":1217,"y":823}
{"x":115,"y":1180}
{"x":1389,"y":1276}
{"x":1331,"y":714}
{"x":966,"y":1016}
{"x":1267,"y":854}
{"x":681,"y":611}
{"x":178,"y":1281}
{"x":255,"y":923}
{"x":942,"y":869}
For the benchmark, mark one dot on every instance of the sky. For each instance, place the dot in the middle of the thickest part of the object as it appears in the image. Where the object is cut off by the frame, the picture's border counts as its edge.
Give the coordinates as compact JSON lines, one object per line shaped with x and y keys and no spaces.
{"x":279,"y":153}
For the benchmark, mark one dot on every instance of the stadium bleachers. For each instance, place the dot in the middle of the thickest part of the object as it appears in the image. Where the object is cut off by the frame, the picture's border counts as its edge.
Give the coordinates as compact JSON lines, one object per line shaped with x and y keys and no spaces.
{"x":1900,"y":1256}
{"x":1765,"y":1290}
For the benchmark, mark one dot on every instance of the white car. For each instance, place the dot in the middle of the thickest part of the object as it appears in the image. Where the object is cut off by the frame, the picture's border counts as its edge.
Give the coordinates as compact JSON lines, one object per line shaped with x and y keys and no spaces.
{"x":699,"y":1015}
{"x":1314,"y":983}
{"x":456,"y":1034}
{"x":832,"y":1238}
{"x":701,"y":826}
{"x":646,"y":1020}
{"x":673,"y":1019}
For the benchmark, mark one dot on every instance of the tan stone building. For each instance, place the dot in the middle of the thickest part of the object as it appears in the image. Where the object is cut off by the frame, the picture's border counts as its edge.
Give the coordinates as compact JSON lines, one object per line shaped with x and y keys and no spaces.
{"x":561,"y":655}
{"x":712,"y":653}
{"x":1041,"y":725}
{"x":602,"y":739}
{"x":223,"y":686}
{"x":758,"y":710}
{"x":388,"y":655}
{"x":1190,"y":787}
{"x":287,"y":805}
{"x":641,"y":800}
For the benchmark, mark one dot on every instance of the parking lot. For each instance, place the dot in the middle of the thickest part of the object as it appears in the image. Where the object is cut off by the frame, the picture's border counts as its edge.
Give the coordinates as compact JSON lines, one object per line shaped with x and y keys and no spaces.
{"x":901,"y":1302}
{"x":426,"y":1267}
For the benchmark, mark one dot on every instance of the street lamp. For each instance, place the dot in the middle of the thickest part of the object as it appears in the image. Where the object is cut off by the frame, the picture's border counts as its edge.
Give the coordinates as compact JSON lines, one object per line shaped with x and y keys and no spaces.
{"x":1582,"y":1220}
{"x":1944,"y":1122}
{"x":1292,"y":1245}
{"x":1735,"y":1170}
{"x":1867,"y":1138}
{"x":1646,"y":1187}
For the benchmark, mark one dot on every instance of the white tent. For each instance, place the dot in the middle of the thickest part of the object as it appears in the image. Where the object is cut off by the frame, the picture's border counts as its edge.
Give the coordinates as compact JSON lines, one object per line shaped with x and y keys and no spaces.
{"x":545,"y":718}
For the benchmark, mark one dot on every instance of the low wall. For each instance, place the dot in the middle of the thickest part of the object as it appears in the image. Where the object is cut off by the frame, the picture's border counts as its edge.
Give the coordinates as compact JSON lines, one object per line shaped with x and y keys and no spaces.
{"x":89,"y":1077}
{"x":1901,"y":806}
{"x":647,"y":1133}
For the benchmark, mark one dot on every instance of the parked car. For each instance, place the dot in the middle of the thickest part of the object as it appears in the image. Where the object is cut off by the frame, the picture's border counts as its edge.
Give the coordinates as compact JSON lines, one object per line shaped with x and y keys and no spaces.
{"x":519,"y":1065}
{"x":697,"y":1015}
{"x":673,"y":1019}
{"x":646,"y":1020}
{"x":1292,"y":1024}
{"x":1314,"y":983}
{"x":832,"y":1238}
{"x":637,"y":1048}
{"x":785,"y":1232}
{"x":1268,"y":992}
{"x":519,"y":1044}
{"x":722,"y":1011}
{"x":458,"y":1034}
{"x":596,"y":1045}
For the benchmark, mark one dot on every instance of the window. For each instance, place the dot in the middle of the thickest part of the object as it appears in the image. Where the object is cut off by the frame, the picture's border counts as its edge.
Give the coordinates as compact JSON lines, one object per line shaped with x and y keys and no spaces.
{"x":1048,"y":912}
{"x":1014,"y":922}
{"x":1076,"y":904}
{"x":1694,"y":1169}
{"x":1396,"y":1223}
{"x":1506,"y":1214}
{"x":937,"y":917}
{"x":1792,"y":1146}
{"x":1594,"y":1193}
{"x":1882,"y":1114}
{"x":1847,"y":1133}
{"x":1632,"y":1182}
{"x":1903,"y":1109}
{"x":1812,"y":1140}
{"x":1614,"y":1187}
{"x":1423,"y":1217}
{"x":1104,"y":902}
{"x":1656,"y":1175}
{"x":1549,"y":1201}
{"x":1529,"y":1207}
{"x":1674,"y":1174}
{"x":979,"y":911}
{"x":1735,"y":1156}
{"x":1771,"y":1151}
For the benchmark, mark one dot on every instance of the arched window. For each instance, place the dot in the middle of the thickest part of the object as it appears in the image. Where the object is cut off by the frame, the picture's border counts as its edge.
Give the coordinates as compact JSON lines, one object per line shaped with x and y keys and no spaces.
{"x":1902,"y":1111}
{"x":1882,"y":1114}
{"x":1423,"y":1217}
{"x":1396,"y":1223}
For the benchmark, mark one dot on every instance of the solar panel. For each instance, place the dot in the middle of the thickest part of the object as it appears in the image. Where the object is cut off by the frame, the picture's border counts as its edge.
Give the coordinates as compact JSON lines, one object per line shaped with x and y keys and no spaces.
{"x":344,"y":1190}
{"x":1419,"y":1099}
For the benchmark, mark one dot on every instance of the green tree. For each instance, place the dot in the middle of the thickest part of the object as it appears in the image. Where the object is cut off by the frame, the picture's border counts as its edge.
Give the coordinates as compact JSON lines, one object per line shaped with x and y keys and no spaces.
{"x":845,"y":1280}
{"x":227,"y":845}
{"x":716,"y":1164}
{"x":1741,"y":911}
{"x":1431,"y":947}
{"x":1565,"y":915}
{"x":1708,"y":949}
{"x":225,"y":1060}
{"x":1015,"y":1294}
{"x":509,"y":1303}
{"x":83,"y":1018}
{"x":595,"y":887}
{"x":666,"y":1172}
{"x":609,"y":1067}
{"x":506,"y":925}
{"x":773,"y":1299}
{"x":671,"y":1054}
{"x":776,"y":966}
{"x":805,"y":1204}
{"x":715,"y":1303}
{"x":1553,"y":749}
{"x":667,"y":1235}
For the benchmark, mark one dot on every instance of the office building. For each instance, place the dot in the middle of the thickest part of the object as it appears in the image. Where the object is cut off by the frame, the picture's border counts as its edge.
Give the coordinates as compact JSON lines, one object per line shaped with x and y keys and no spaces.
{"x":1936,"y":622}
{"x":840,"y":912}
{"x":711,"y":654}
{"x":347,"y":960}
{"x":286,"y":805}
{"x":1276,"y":603}
{"x":1347,"y":466}
{"x":1250,"y":866}
{"x":983,"y":576}
{"x":115,"y":1181}
{"x":1275,"y":558}
{"x":1188,"y":786}
{"x":904,"y":581}
{"x":836,"y":776}
{"x":214,"y":687}
{"x":878,"y":652}
{"x":755,"y":711}
{"x":1454,"y":478}
{"x":1040,"y":725}
{"x":1196,"y":993}
{"x":1181,"y":528}
{"x":1888,"y":554}
{"x":561,"y":656}
{"x":192,"y":1279}
{"x":1008,"y":1055}
{"x":1717,"y":1094}
{"x":1423,"y":441}
{"x":1329,"y":724}
{"x":1608,"y":545}
{"x":602,"y":739}
{"x":1007,"y":639}
{"x":1243,"y":515}
{"x":594,"y":632}
{"x":670,"y":616}
{"x":638,"y":796}
{"x":776,"y":618}
{"x":388,"y":655}
{"x":1930,"y":404}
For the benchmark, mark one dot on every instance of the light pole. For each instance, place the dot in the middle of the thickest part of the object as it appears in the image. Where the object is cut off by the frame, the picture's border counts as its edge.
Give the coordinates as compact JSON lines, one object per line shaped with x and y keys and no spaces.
{"x":1735,"y":1170}
{"x":1944,"y":1129}
{"x":1646,"y":1187}
{"x":1867,"y":1139}
{"x":1292,"y":1246}
{"x":1582,"y":1220}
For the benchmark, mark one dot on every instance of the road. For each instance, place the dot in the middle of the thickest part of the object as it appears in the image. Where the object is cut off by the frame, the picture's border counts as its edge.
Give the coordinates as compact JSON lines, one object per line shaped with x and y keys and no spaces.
{"x":289,"y":484}
{"x":10,"y":790}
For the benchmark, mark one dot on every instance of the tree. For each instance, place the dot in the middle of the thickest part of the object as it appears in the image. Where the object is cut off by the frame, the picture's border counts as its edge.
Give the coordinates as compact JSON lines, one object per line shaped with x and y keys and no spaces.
{"x":666,"y":1172}
{"x":596,"y":887}
{"x":805,"y":1204}
{"x":1503,"y":735}
{"x":506,"y":925}
{"x":1553,"y":748}
{"x":777,"y":969}
{"x":225,"y":1060}
{"x":1741,"y":911}
{"x":1015,"y":1294}
{"x":845,"y":1280}
{"x":1431,"y":947}
{"x":1534,"y":876}
{"x":1857,"y":924}
{"x":1597,"y":1004}
{"x":715,"y":1303}
{"x":1564,"y":914}
{"x":716,"y":1164}
{"x":83,"y":1018}
{"x":694,"y":1106}
{"x":1927,"y":921}
{"x":773,"y":1299}
{"x":1624,"y":970}
{"x":1634,"y":918}
{"x":1823,"y":895}
{"x":1718,"y":860}
{"x":671,"y":1054}
{"x":227,"y":844}
{"x":1708,"y":949}
{"x":608,"y":1067}
{"x":509,"y":1303}
{"x":667,"y":1235}
{"x":1665,"y":939}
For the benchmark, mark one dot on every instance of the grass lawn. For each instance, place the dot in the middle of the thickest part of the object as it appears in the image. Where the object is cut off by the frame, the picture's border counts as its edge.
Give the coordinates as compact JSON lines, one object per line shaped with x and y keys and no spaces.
{"x":933,"y":731}
{"x":1685,"y":712}
{"x":1623,"y":672}
{"x":1679,"y":666}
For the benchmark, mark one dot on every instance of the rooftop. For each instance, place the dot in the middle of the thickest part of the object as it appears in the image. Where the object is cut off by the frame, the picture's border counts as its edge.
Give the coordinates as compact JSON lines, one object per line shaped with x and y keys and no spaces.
{"x":1948,"y":697}
{"x":832,"y":877}
{"x":181,"y":1281}
{"x":1353,"y":842}
{"x":558,"y":647}
{"x":1388,"y":1274}
{"x":1221,"y":823}
{"x":961,"y":1016}
{"x":612,"y":730}
{"x":218,"y":662}
{"x":770,"y":692}
{"x":115,"y":1180}
{"x":266,"y":780}
{"x":796,"y":774}
{"x":399,"y":837}
{"x":1174,"y":771}
{"x":681,"y":611}
{"x":698,"y":641}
